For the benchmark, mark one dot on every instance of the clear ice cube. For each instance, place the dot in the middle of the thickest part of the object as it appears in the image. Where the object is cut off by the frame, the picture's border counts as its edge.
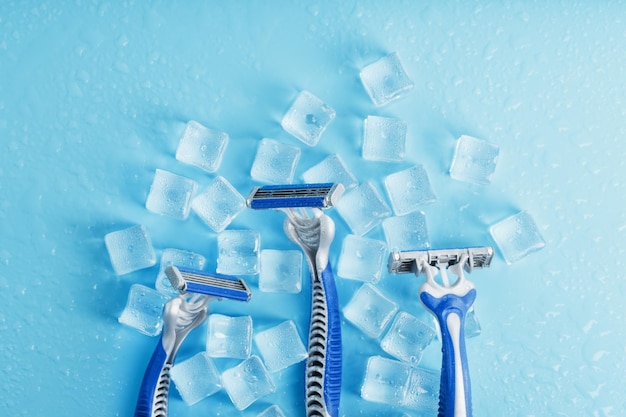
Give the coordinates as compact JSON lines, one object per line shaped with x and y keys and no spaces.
{"x":273,"y":411}
{"x":361,"y":259}
{"x":238,"y":252}
{"x":370,"y":310}
{"x":229,"y":337}
{"x":384,"y":139}
{"x":398,"y":384}
{"x":407,"y":338}
{"x":386,"y":80}
{"x":517,"y":236}
{"x":275,"y":162}
{"x":144,"y":310}
{"x":170,"y":194}
{"x":280,"y":346}
{"x":474,"y":160}
{"x":281,"y":271}
{"x":408,"y":232}
{"x":176,"y":257}
{"x":202,"y":147}
{"x":385,"y":381}
{"x":247,"y":382}
{"x":363,"y":208}
{"x":409,"y":189}
{"x":331,"y":169}
{"x":130,"y":249}
{"x":196,"y":378}
{"x":218,"y":204}
{"x":422,"y":392}
{"x":307,"y":118}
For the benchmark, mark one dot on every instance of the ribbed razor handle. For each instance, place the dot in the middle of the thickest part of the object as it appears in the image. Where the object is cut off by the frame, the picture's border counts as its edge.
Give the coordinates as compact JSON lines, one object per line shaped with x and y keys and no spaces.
{"x":155,"y":386}
{"x":455,"y":391}
{"x":323,"y":368}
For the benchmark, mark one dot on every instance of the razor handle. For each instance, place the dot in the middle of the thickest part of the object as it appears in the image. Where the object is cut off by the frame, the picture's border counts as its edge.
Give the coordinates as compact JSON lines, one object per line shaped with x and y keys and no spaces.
{"x":323,"y":367}
{"x":155,"y":386}
{"x":450,"y":310}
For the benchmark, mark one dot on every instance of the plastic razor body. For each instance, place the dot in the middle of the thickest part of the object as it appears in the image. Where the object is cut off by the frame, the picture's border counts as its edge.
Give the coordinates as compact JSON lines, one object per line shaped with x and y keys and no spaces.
{"x":181,"y":315}
{"x":449,"y":303}
{"x":314,"y":234}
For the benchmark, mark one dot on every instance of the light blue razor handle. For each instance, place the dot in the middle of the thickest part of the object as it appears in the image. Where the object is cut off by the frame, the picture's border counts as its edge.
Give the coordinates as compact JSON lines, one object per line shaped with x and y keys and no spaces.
{"x":153,"y":395}
{"x":450,"y":309}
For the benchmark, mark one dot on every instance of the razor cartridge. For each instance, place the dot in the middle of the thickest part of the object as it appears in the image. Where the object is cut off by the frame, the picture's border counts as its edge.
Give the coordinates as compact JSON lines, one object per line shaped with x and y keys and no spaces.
{"x":213,"y":284}
{"x":413,"y":261}
{"x":322,"y":195}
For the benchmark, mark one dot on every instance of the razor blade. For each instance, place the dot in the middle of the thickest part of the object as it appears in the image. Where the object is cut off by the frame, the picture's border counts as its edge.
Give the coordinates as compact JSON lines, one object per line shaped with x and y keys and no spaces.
{"x":213,"y":284}
{"x":405,"y":262}
{"x":321,"y":195}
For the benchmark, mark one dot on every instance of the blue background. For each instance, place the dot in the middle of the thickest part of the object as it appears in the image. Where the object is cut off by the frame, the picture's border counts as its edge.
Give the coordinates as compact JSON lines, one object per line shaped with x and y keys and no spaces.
{"x":94,"y":96}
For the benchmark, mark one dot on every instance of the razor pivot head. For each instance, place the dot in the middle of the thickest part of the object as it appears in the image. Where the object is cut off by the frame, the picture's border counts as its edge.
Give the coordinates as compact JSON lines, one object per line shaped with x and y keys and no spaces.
{"x":213,"y":284}
{"x":322,"y":195}
{"x":405,"y":262}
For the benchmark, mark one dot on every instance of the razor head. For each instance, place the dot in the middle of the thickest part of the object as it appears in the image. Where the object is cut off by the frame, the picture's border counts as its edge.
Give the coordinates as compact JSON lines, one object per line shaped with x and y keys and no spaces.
{"x":320,"y":195}
{"x":405,"y":262}
{"x":213,"y":284}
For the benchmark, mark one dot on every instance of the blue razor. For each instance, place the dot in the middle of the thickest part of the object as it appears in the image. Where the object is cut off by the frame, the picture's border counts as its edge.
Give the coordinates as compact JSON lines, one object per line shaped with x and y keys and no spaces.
{"x":181,"y":315}
{"x":308,"y":227}
{"x":449,"y":303}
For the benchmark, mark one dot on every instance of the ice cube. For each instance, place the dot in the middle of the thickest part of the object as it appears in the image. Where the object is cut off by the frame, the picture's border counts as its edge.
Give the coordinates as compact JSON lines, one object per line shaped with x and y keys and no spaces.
{"x":331,"y":169}
{"x":179,"y":258}
{"x":363,"y":208}
{"x":385,"y":381}
{"x":409,"y":189}
{"x":280,"y":346}
{"x":474,"y":160}
{"x":219,"y":204}
{"x":406,"y":232}
{"x":307,"y":118}
{"x":144,"y":310}
{"x":361,"y":259}
{"x":386,"y":80}
{"x":196,"y":378}
{"x":247,"y":382}
{"x":384,"y":139}
{"x":407,"y":338}
{"x":281,"y":271}
{"x":202,"y":147}
{"x":273,"y":411}
{"x":422,"y":393}
{"x":370,"y":310}
{"x":275,"y":162}
{"x":396,"y":383}
{"x":517,"y":236}
{"x":130,"y":249}
{"x":238,"y":252}
{"x":170,"y":194}
{"x":472,"y":325}
{"x":229,"y":337}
